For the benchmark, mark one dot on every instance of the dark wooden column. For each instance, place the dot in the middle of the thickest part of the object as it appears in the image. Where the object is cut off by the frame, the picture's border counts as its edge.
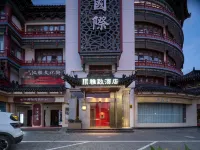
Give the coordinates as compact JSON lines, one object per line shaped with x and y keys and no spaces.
{"x":7,"y":42}
{"x":8,"y":12}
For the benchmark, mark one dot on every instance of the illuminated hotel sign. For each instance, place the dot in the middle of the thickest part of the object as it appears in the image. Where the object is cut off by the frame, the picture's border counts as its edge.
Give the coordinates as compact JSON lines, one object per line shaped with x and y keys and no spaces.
{"x":100,"y":81}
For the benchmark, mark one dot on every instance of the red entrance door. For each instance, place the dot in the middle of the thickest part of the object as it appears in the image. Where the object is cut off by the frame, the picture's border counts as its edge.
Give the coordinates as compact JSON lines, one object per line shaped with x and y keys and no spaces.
{"x":100,"y":114}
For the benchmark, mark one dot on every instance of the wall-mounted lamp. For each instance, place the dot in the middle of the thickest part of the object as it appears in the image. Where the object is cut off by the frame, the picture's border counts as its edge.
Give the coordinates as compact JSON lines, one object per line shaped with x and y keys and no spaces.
{"x":84,"y":107}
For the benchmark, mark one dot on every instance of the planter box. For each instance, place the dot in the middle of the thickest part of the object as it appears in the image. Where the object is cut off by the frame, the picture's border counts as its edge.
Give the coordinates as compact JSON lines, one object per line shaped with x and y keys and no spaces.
{"x":74,"y":125}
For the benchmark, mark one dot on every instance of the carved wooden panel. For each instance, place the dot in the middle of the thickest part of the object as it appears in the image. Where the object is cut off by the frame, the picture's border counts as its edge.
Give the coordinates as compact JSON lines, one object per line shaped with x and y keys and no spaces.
{"x":106,"y":40}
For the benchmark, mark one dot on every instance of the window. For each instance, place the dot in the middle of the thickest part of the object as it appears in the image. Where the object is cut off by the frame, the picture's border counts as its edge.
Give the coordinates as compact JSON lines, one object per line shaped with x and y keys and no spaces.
{"x":100,"y":69}
{"x":16,"y":51}
{"x":161,"y":113}
{"x":62,"y":28}
{"x":1,"y":43}
{"x":45,"y":28}
{"x":19,"y":55}
{"x":49,"y":55}
{"x":141,"y":57}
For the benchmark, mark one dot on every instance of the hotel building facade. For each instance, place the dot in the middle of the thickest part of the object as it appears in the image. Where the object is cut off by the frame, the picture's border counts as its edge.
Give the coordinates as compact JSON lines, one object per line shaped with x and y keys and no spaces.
{"x":100,"y":63}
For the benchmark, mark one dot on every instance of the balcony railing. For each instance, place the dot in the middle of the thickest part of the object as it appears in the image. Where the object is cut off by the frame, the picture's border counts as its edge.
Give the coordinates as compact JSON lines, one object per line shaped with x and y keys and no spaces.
{"x":3,"y":18}
{"x":158,"y":8}
{"x":146,"y":33}
{"x":43,"y":63}
{"x":158,"y":65}
{"x":44,"y":34}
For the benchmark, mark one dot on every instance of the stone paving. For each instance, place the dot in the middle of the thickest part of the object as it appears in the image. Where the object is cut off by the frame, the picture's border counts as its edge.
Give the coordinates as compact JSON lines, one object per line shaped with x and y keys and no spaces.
{"x":141,"y":139}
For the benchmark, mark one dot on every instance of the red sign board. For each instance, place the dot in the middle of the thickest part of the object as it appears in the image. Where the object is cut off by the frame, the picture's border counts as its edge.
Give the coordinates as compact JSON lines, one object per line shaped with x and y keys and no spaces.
{"x":41,"y":77}
{"x":37,"y":115}
{"x":34,"y":99}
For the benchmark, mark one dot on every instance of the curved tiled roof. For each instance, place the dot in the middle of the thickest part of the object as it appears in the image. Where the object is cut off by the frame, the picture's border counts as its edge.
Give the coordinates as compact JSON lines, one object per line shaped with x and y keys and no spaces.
{"x":156,"y":88}
{"x":180,"y":8}
{"x":166,"y":89}
{"x":193,"y":75}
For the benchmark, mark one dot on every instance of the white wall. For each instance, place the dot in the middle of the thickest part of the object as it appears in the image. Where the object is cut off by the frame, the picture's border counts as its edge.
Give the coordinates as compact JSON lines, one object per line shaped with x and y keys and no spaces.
{"x":191,"y":114}
{"x":29,"y":54}
{"x":73,"y":61}
{"x":127,"y":60}
{"x":84,"y":115}
{"x":72,"y":108}
{"x":16,"y":22}
{"x":14,"y":75}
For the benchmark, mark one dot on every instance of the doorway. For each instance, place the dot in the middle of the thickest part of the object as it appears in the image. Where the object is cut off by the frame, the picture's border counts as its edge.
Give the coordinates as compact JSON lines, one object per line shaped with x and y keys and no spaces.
{"x":29,"y":118}
{"x":54,"y":118}
{"x":100,"y":114}
{"x":198,"y":115}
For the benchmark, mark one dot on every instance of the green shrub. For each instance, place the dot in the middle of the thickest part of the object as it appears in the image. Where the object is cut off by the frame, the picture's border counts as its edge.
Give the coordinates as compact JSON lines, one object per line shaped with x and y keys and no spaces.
{"x":159,"y":148}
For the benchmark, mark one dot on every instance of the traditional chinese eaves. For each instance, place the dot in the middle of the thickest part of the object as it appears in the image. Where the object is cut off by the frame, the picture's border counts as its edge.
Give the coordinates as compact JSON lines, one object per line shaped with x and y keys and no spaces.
{"x":193,"y":75}
{"x":166,"y":89}
{"x":75,"y":81}
{"x":194,"y":91}
{"x":157,"y":88}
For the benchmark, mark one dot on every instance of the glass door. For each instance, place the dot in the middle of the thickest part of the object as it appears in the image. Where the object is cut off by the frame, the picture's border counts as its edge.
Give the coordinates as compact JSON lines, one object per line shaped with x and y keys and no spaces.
{"x":100,"y":115}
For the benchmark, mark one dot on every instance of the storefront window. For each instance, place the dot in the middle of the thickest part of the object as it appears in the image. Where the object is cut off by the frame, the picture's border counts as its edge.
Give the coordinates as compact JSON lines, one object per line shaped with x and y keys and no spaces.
{"x":2,"y":107}
{"x":161,"y":113}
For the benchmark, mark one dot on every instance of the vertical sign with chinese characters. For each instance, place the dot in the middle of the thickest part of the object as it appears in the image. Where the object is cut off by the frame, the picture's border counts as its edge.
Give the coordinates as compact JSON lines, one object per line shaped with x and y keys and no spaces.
{"x":100,"y":25}
{"x":36,"y":115}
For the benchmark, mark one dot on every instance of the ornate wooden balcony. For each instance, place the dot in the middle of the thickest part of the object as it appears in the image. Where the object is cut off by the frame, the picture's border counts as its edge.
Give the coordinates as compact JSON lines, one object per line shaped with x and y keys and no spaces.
{"x":43,"y":34}
{"x":36,"y":34}
{"x":160,"y":65}
{"x":157,"y":8}
{"x":157,"y":36}
{"x":43,"y":63}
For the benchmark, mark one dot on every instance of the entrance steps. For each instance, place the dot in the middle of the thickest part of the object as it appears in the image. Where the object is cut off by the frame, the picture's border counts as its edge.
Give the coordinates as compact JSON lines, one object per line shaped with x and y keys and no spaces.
{"x":123,"y":130}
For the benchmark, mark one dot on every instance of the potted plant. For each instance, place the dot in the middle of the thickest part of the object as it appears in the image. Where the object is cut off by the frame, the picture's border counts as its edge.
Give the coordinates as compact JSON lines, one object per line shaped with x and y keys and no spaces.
{"x":74,"y":124}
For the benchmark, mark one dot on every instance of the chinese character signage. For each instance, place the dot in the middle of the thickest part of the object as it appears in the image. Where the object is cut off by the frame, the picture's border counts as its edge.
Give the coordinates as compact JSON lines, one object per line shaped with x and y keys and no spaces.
{"x":100,"y":25}
{"x":100,"y":5}
{"x":36,"y":115}
{"x":99,"y":81}
{"x":34,"y":99}
{"x":41,"y":76}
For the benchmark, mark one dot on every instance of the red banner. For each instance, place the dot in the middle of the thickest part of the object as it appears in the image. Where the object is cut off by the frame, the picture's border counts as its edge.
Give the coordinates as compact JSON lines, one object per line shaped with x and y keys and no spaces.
{"x":37,"y":115}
